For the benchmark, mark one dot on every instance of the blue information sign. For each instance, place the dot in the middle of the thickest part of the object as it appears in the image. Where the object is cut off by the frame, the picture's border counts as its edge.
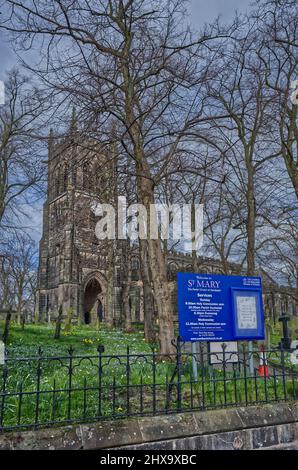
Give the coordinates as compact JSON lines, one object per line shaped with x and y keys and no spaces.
{"x":213,"y":307}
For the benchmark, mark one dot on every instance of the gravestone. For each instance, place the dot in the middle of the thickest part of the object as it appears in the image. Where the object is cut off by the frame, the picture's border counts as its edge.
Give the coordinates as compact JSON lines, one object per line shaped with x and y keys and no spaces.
{"x":286,"y":340}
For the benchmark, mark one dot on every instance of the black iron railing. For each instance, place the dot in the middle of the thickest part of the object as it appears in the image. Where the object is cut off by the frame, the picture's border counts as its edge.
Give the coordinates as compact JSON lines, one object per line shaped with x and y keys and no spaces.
{"x":42,"y":390}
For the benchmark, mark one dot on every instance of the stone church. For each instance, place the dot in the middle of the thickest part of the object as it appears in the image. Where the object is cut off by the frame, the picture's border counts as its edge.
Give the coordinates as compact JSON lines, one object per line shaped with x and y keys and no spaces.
{"x":75,"y":268}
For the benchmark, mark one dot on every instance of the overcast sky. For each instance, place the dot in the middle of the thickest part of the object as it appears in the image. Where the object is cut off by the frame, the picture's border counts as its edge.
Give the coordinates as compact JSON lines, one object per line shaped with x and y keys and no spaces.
{"x":207,"y":10}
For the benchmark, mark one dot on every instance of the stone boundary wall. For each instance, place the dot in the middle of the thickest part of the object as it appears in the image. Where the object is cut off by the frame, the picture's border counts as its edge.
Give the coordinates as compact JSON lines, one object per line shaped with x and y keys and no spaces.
{"x":255,"y":427}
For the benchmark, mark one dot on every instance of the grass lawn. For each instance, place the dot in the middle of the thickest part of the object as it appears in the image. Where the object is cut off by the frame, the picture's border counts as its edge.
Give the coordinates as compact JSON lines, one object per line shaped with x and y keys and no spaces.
{"x":84,"y":339}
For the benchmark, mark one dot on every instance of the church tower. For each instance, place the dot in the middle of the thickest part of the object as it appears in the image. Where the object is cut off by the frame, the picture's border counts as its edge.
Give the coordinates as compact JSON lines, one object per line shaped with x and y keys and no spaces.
{"x":76,"y":270}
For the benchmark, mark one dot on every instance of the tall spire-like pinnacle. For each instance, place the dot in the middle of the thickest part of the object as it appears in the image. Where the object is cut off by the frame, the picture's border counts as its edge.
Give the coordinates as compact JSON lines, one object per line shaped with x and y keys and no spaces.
{"x":73,"y":121}
{"x":50,"y":142}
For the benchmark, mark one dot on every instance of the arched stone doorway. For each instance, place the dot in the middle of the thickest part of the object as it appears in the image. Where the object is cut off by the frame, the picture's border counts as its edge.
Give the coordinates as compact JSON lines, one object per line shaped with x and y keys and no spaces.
{"x":93,"y":303}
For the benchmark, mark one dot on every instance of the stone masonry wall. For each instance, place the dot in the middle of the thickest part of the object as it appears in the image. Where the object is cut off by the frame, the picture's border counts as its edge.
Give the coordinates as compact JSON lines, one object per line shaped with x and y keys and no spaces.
{"x":256,"y":427}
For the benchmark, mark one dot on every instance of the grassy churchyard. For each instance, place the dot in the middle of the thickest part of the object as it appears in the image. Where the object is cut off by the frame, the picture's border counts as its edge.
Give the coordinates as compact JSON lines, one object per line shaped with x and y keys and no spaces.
{"x":83,"y":338}
{"x":60,"y":384}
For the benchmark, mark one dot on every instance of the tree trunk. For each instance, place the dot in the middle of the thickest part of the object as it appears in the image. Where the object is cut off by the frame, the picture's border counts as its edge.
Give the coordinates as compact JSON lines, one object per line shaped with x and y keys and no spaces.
{"x":19,"y":310}
{"x":289,"y":144}
{"x":145,"y":193}
{"x":7,"y":327}
{"x":250,"y":223}
{"x":23,"y":319}
{"x":68,"y":323}
{"x":162,"y":297}
{"x":194,"y":253}
{"x":126,"y":308}
{"x":148,"y":303}
{"x":58,"y":323}
{"x":157,"y":263}
{"x":109,"y":317}
{"x":293,"y":173}
{"x":20,"y":293}
{"x":125,"y":298}
{"x":158,"y":270}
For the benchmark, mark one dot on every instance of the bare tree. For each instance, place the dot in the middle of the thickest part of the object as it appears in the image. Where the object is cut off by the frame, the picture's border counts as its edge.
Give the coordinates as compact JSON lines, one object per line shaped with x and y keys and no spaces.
{"x":21,"y":170}
{"x":223,"y":240}
{"x":18,"y":274}
{"x":131,"y":60}
{"x":134,"y":63}
{"x":278,"y":34}
{"x":6,"y":286}
{"x":281,"y":253}
{"x":148,"y":298}
{"x":23,"y":264}
{"x":240,"y":97}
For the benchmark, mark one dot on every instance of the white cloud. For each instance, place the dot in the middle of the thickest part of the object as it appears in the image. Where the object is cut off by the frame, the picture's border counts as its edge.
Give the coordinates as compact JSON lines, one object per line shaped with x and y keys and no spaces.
{"x":31,"y":222}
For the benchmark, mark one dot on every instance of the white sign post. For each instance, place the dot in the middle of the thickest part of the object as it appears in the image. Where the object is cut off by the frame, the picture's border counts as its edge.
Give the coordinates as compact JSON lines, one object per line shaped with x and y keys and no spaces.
{"x":194,"y":361}
{"x":251,"y":358}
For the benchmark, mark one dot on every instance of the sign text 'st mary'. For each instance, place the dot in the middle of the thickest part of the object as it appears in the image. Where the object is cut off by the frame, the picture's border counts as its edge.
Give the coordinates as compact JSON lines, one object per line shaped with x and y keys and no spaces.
{"x":214,"y":307}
